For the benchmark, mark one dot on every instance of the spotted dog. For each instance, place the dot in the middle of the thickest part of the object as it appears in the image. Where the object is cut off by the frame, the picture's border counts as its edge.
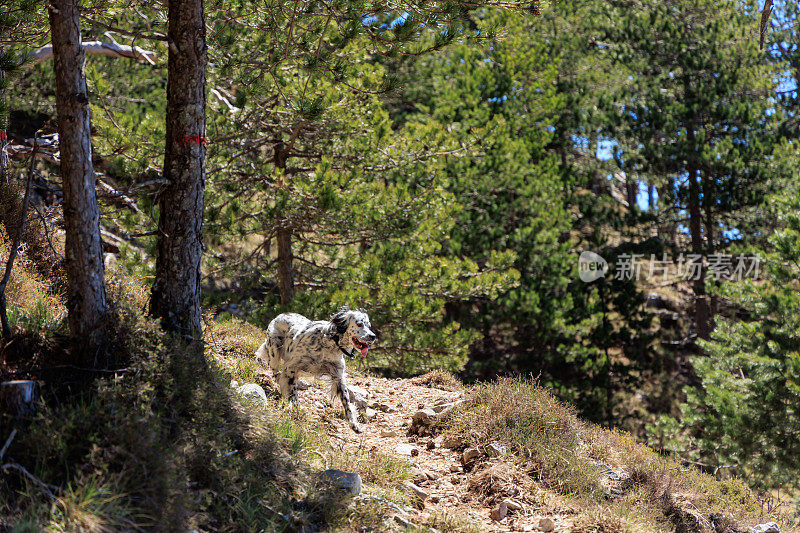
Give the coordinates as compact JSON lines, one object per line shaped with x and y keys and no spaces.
{"x":295,"y":344}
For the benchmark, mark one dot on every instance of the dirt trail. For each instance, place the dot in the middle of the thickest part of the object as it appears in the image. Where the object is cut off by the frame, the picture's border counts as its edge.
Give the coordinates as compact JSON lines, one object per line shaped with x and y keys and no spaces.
{"x":447,"y":483}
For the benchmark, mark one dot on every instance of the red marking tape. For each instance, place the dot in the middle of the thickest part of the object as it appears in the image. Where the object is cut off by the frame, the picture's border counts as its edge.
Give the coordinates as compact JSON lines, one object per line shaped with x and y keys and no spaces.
{"x":3,"y":136}
{"x":193,"y":139}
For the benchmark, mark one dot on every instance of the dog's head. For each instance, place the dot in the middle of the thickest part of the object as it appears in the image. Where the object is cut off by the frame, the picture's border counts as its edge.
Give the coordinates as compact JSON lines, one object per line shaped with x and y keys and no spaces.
{"x":353,"y":324}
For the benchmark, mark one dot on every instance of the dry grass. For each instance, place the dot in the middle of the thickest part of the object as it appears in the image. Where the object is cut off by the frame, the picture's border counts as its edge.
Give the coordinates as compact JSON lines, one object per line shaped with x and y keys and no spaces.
{"x":541,"y":431}
{"x":32,"y":303}
{"x":494,"y":482}
{"x":553,"y":451}
{"x":440,"y":379}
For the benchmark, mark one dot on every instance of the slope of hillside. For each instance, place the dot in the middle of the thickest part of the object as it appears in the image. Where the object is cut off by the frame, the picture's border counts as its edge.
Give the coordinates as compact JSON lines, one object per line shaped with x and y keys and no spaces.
{"x":163,"y":442}
{"x":503,"y":456}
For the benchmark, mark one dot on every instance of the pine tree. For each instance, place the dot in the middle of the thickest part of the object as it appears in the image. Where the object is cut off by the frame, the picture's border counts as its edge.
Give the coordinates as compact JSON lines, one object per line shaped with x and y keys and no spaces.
{"x":83,"y":248}
{"x":696,"y":118}
{"x":176,"y":288}
{"x":518,"y":102}
{"x":746,"y":413}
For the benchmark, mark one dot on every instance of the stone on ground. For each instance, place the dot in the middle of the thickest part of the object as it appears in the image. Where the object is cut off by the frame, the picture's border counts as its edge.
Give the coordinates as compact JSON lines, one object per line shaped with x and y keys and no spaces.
{"x":348,"y":482}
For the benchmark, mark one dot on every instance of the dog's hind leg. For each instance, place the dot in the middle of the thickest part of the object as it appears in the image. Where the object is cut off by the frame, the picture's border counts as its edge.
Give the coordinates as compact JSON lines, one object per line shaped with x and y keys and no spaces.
{"x":339,"y":388}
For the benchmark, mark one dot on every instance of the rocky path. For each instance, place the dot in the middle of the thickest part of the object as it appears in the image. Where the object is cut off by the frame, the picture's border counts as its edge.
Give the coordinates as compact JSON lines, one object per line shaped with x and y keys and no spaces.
{"x":439,"y":478}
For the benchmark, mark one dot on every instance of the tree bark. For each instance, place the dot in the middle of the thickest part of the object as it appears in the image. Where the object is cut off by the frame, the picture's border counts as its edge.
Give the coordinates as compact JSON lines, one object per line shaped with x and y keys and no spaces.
{"x":708,"y":207}
{"x":176,"y":290}
{"x":86,"y":302}
{"x":631,"y":192}
{"x":3,"y":134}
{"x":285,"y":259}
{"x":695,"y":229}
{"x":18,"y":398}
{"x":284,"y":236}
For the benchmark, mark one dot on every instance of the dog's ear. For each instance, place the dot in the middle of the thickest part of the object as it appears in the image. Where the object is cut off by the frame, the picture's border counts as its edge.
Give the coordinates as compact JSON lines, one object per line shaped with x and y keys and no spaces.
{"x":340,"y":319}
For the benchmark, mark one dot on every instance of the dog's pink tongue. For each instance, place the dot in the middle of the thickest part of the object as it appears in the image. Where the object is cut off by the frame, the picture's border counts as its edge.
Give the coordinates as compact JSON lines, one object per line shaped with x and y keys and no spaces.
{"x":364,"y":350}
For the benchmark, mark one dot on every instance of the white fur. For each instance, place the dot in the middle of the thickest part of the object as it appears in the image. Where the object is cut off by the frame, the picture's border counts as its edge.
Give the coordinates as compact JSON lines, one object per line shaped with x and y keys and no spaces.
{"x":295,"y":345}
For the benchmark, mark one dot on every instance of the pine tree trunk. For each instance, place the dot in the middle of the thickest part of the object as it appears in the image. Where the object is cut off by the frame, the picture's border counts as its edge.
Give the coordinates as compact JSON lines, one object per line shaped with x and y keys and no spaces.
{"x":631,"y":192}
{"x":176,"y":290}
{"x":285,"y":275}
{"x":3,"y":134}
{"x":284,"y":236}
{"x":18,"y":398}
{"x":86,"y":301}
{"x":695,"y":229}
{"x":708,"y":207}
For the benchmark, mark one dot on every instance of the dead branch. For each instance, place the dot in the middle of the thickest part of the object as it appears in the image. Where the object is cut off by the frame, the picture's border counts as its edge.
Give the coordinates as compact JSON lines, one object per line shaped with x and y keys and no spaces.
{"x":99,"y":48}
{"x":7,"y":444}
{"x":47,"y":489}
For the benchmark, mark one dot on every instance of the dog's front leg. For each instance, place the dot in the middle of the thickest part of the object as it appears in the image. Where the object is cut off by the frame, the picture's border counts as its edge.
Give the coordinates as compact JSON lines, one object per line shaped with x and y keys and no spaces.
{"x":286,"y":381}
{"x":339,"y":386}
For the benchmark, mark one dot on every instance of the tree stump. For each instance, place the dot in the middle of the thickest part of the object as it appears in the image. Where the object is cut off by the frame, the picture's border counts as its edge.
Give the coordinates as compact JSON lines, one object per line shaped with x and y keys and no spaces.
{"x":18,"y":398}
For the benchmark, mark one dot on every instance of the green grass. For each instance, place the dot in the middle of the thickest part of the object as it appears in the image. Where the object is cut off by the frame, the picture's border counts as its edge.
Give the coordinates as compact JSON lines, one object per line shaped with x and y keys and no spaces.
{"x":167,"y":444}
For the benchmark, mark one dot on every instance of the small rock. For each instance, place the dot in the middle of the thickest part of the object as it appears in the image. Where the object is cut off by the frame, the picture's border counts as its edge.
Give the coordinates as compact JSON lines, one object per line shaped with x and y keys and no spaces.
{"x":434,"y":499}
{"x":347,"y":481}
{"x":254,"y":393}
{"x":418,"y":476}
{"x":430,"y":475}
{"x":452,"y":442}
{"x":455,"y":468}
{"x":301,"y":385}
{"x":404,"y":449}
{"x":386,"y":408}
{"x":418,"y":492}
{"x":546,"y":525}
{"x":495,"y":450}
{"x":499,"y":512}
{"x":402,"y":521}
{"x":414,"y":452}
{"x":513,"y":506}
{"x":388,"y":433}
{"x":527,"y":527}
{"x":358,"y":390}
{"x":431,"y":445}
{"x":424,"y":417}
{"x":469,"y":455}
{"x":369,"y":414}
{"x":768,"y":527}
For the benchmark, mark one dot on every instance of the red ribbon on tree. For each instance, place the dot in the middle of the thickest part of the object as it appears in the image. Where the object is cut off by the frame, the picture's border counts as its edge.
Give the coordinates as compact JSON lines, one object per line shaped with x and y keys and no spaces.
{"x":193,"y":139}
{"x":3,"y":136}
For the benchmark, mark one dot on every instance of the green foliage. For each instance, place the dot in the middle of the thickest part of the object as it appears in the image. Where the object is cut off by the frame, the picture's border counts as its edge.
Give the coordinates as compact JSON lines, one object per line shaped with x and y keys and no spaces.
{"x":515,"y":106}
{"x":745,"y":413}
{"x":166,"y":444}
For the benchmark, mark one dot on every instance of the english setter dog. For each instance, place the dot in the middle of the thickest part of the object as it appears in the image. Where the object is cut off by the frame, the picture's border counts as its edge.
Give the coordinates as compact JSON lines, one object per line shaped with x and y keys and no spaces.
{"x":295,"y":344}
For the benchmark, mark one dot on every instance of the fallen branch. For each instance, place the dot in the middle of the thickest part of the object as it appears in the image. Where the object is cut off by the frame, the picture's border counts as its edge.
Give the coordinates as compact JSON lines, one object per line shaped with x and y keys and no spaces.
{"x":47,"y":489}
{"x":99,"y":48}
{"x":7,"y":444}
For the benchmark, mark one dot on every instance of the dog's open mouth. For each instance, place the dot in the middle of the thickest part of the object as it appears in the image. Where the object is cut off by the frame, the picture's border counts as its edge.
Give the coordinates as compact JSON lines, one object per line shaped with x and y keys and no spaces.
{"x":363,"y":346}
